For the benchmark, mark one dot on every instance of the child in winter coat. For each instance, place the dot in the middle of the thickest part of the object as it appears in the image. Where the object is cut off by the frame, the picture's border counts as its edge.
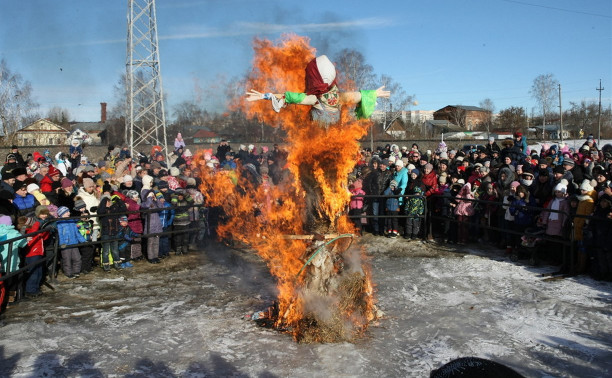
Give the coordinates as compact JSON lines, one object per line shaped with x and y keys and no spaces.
{"x":392,"y":209}
{"x":555,"y":221}
{"x":132,"y":202}
{"x":85,"y":226}
{"x":586,"y":206}
{"x":166,"y":217}
{"x":128,"y":237}
{"x":508,"y":218}
{"x":523,"y":217}
{"x":182,"y":201}
{"x":36,"y":252}
{"x":9,"y":255}
{"x":153,"y":224}
{"x":464,"y":210}
{"x":69,"y":235}
{"x":8,"y":231}
{"x":489,"y":212}
{"x":109,"y":226}
{"x":356,"y":204}
{"x":415,"y":208}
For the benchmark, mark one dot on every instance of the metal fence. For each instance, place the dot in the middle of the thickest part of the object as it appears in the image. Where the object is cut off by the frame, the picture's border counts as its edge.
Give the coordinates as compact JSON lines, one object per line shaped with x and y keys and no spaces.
{"x":567,"y":243}
{"x":18,"y":277}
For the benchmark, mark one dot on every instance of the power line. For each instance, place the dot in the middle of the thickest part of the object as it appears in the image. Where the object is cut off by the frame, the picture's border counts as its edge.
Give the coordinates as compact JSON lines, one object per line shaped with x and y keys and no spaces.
{"x":559,"y":9}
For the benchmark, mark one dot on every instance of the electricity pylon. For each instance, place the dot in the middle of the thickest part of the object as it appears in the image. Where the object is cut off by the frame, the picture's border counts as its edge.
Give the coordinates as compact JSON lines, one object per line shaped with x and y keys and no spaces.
{"x":146,"y":118}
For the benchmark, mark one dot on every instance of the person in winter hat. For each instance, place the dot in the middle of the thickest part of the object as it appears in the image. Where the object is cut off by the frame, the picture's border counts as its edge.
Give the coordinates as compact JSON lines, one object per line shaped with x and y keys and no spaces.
{"x":554,"y":221}
{"x":51,"y":180}
{"x":34,"y":190}
{"x":153,"y":224}
{"x":69,"y":235}
{"x":36,"y":251}
{"x":464,"y":210}
{"x":179,"y":142}
{"x":127,"y":236}
{"x":414,"y":209}
{"x":356,"y":203}
{"x":392,"y":209}
{"x":147,"y":184}
{"x":8,"y":231}
{"x":24,"y":201}
{"x":400,"y":175}
{"x":182,"y":201}
{"x":586,"y":205}
{"x":111,"y":203}
{"x":166,"y":218}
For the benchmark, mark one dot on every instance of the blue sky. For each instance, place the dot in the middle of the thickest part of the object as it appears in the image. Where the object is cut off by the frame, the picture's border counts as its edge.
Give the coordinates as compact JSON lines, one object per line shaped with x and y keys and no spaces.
{"x":443,"y":51}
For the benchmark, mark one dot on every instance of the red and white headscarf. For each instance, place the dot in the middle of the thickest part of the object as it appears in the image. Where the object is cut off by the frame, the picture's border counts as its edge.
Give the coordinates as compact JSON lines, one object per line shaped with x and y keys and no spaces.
{"x":320,"y":76}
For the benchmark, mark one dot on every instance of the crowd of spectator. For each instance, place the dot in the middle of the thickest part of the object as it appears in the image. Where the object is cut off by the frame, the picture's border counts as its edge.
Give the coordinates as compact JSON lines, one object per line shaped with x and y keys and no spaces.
{"x":561,"y":190}
{"x":476,"y":192}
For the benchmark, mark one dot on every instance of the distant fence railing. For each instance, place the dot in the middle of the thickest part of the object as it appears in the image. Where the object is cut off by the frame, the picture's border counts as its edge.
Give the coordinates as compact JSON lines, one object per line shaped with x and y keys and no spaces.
{"x":18,"y":276}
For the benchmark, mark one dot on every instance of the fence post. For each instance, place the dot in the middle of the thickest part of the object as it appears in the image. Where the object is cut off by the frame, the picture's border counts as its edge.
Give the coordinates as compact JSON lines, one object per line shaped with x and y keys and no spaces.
{"x":572,"y":267}
{"x":52,"y":273}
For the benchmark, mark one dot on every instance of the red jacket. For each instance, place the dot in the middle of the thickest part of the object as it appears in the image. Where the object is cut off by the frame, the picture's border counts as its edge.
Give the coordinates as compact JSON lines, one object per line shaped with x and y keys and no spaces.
{"x":134,"y":220}
{"x":430,"y":181}
{"x":36,"y":245}
{"x":46,"y":184}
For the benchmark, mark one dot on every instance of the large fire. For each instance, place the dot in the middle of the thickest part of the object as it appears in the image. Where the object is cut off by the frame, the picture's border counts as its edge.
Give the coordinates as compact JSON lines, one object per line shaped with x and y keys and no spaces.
{"x":330,"y":299}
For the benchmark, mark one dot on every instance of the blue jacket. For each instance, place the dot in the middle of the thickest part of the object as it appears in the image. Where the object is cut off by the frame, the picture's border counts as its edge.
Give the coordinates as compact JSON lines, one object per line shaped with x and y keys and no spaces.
{"x":26,"y":205}
{"x":392,"y":204}
{"x":127,"y":235}
{"x":69,"y":233}
{"x":401,"y":177}
{"x":523,"y":217}
{"x":166,"y":216}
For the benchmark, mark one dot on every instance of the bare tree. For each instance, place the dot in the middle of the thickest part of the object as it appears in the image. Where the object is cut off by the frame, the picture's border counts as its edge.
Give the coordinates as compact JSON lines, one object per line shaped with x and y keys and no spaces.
{"x":583,"y":116}
{"x":188,"y":113}
{"x":512,"y":118}
{"x":457,"y":115}
{"x":544,"y":91}
{"x":59,"y":115}
{"x":353,"y":71}
{"x":17,"y":107}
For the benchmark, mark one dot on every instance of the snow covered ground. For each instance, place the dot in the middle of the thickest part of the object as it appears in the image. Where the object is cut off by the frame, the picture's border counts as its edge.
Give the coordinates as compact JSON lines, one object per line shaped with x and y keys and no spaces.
{"x":184,"y":317}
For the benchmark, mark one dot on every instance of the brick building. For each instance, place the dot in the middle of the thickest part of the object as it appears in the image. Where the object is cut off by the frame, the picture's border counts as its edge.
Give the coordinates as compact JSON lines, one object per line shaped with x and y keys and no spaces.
{"x":467,"y":117}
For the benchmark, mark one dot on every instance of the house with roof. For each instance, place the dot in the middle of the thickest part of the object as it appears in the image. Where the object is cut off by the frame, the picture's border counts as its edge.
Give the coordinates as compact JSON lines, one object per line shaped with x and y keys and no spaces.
{"x":552,"y":131}
{"x":41,"y":132}
{"x":205,"y":135}
{"x":435,"y":128}
{"x":92,"y":133}
{"x":467,"y":117}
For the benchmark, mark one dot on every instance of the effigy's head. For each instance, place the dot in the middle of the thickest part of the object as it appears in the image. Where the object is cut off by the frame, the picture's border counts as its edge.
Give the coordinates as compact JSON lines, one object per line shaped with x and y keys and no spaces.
{"x":320,"y":76}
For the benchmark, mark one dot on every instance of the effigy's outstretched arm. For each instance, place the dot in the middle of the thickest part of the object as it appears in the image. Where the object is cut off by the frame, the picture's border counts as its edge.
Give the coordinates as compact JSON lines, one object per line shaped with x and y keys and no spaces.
{"x":289,"y":97}
{"x":356,"y":97}
{"x":366,"y":99}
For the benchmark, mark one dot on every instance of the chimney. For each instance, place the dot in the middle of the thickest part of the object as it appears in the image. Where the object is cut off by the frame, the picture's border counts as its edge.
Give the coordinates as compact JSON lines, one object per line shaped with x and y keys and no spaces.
{"x":102,"y":112}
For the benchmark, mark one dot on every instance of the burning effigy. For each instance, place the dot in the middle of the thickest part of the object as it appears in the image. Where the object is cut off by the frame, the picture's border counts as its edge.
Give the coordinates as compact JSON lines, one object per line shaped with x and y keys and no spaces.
{"x":299,"y":227}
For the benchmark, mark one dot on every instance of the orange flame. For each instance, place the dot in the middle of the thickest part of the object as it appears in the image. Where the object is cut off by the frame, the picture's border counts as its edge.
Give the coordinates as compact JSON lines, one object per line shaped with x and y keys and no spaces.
{"x":259,"y":215}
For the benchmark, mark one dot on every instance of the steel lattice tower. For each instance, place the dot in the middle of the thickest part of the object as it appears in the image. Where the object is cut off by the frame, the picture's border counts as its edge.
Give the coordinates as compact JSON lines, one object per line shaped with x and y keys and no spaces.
{"x":146,"y":119}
